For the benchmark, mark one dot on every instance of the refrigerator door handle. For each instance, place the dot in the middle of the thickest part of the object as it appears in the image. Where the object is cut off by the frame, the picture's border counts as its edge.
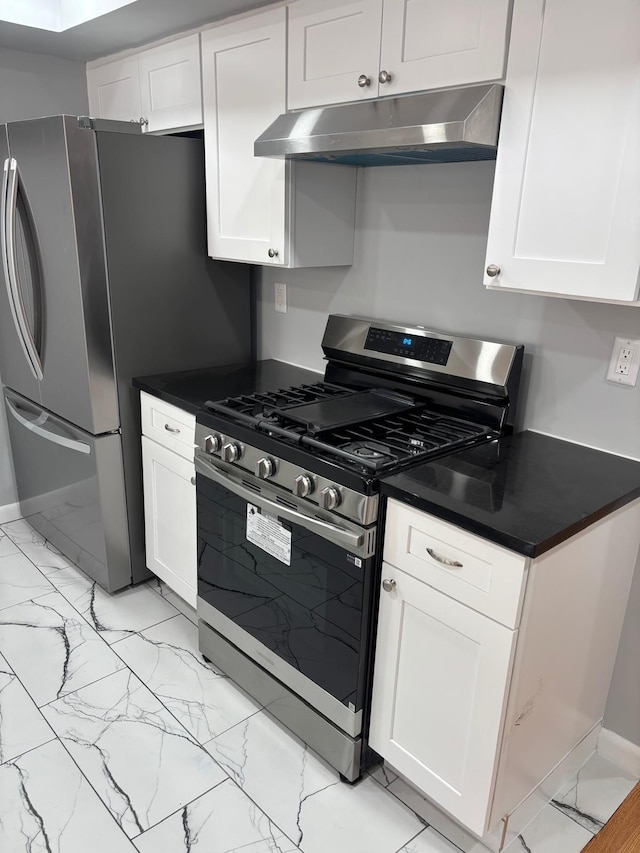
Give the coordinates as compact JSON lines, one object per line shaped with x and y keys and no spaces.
{"x":37,"y":428}
{"x":9,"y":207}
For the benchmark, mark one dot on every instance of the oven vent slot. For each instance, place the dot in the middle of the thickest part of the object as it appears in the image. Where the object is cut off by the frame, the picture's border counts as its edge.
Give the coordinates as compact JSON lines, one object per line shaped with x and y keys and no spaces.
{"x":252,"y":486}
{"x":286,"y":503}
{"x":371,"y":541}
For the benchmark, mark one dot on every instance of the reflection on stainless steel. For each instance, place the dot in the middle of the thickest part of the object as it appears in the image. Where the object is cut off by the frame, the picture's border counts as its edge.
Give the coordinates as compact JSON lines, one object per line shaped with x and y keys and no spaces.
{"x":455,"y":124}
{"x":340,"y":531}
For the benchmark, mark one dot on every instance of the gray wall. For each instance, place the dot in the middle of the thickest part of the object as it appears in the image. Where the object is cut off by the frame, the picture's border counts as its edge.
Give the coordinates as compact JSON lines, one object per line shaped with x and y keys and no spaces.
{"x":419,"y":255}
{"x":33,"y":85}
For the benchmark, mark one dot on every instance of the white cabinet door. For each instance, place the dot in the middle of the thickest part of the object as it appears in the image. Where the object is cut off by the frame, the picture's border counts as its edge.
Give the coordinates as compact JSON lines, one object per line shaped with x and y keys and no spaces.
{"x":333,"y":44}
{"x":114,"y":90}
{"x":565,"y":215}
{"x":170,"y":87}
{"x":439,"y":695}
{"x":244,"y":90}
{"x":170,"y":518}
{"x":428,"y":44}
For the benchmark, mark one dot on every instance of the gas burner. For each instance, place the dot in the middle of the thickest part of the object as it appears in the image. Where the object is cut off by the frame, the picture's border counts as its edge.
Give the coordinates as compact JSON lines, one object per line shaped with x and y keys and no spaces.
{"x":269,"y":418}
{"x":366,"y":451}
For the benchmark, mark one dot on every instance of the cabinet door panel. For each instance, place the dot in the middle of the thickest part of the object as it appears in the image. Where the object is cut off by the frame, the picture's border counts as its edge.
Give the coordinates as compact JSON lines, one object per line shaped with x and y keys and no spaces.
{"x":330,"y":45}
{"x":427,"y":44}
{"x":170,"y":518}
{"x":565,"y":216}
{"x":114,"y":90}
{"x":244,"y":90}
{"x":439,"y":695}
{"x":170,"y":88}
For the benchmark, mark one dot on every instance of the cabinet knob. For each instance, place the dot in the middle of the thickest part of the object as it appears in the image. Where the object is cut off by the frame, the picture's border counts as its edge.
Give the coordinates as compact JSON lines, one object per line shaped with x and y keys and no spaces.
{"x":273,"y":253}
{"x":384,"y":77}
{"x":388,"y":585}
{"x":493,"y":270}
{"x":193,"y":481}
{"x":364,"y":81}
{"x":144,"y":121}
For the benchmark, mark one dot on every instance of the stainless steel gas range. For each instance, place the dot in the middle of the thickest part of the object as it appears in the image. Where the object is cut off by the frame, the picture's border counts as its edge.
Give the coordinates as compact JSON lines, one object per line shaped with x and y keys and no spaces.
{"x":289,"y":515}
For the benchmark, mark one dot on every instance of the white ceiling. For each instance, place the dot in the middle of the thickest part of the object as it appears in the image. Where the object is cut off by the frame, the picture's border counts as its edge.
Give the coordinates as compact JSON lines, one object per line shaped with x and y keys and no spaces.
{"x":130,"y":26}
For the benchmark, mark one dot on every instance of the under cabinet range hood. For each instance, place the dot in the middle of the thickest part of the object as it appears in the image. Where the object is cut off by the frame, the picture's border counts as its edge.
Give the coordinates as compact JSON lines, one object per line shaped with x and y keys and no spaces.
{"x":447,"y":126}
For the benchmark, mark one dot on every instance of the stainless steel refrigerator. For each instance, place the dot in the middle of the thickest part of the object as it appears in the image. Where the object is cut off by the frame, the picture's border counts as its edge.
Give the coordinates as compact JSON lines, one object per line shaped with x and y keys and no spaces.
{"x":104,"y":276}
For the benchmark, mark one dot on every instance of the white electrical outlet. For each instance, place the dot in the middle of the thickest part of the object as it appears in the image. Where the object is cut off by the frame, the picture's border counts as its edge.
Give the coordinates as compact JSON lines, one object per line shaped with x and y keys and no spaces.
{"x":281,"y":297}
{"x":625,"y":362}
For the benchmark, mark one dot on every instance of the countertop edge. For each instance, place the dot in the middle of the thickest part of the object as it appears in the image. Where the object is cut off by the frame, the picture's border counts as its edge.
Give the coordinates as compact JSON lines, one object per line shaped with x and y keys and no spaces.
{"x":513,"y":543}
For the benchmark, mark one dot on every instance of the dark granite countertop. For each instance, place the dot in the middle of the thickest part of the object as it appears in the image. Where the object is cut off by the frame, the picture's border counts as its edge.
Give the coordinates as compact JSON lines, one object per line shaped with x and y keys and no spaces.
{"x":190,"y":389}
{"x":527,"y":492}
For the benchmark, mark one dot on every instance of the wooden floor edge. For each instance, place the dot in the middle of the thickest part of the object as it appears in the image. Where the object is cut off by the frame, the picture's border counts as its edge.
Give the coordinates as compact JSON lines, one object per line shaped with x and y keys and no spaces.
{"x":621,"y":833}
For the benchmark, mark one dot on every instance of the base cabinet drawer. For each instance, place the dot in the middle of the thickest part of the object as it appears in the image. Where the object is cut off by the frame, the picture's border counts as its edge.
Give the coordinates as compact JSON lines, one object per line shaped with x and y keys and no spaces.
{"x":439,"y":695}
{"x":170,"y":518}
{"x":478,"y":573}
{"x":170,"y":426}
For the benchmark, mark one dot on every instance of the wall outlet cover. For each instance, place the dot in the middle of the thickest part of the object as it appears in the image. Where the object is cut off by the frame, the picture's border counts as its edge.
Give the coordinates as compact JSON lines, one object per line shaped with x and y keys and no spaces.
{"x":281,"y":297}
{"x":625,"y":362}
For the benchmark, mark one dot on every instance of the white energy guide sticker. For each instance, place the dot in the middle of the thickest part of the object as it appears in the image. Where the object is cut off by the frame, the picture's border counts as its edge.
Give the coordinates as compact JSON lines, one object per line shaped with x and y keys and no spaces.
{"x":267,"y":533}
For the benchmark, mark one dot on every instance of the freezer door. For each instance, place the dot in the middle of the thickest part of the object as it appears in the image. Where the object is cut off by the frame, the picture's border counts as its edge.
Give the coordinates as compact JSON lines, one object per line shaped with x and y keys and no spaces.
{"x":20,"y":288}
{"x":71,"y":489}
{"x":56,"y":173}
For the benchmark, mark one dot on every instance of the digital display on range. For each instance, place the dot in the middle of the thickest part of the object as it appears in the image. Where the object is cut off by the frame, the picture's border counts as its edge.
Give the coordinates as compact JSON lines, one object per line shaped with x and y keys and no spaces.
{"x":419,"y":347}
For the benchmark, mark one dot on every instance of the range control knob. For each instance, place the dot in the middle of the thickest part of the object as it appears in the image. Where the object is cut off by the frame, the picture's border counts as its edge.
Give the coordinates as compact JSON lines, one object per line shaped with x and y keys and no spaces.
{"x":265,"y":468}
{"x":231,"y":451}
{"x":212,"y":443}
{"x":303,"y":485}
{"x":330,"y":497}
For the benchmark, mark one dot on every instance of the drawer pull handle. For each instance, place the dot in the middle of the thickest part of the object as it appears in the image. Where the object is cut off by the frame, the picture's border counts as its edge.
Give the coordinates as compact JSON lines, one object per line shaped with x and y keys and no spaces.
{"x":171,"y":429}
{"x":452,"y":564}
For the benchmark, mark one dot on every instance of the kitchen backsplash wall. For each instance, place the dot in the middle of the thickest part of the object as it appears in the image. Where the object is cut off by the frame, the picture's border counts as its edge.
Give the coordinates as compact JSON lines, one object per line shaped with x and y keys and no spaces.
{"x":33,"y":85}
{"x":419,"y":255}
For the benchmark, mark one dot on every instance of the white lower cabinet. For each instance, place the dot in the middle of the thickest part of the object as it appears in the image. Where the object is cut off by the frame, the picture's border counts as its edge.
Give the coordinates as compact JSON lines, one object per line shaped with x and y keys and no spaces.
{"x":170,"y":496}
{"x":260,"y":210}
{"x":442,"y":675}
{"x":492,"y":670}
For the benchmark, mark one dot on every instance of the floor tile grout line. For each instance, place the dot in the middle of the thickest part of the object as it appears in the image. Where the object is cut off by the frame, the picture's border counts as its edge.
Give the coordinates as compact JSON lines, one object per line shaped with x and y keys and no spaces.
{"x":181,"y":808}
{"x":31,"y":748}
{"x":99,"y":798}
{"x":413,"y":838}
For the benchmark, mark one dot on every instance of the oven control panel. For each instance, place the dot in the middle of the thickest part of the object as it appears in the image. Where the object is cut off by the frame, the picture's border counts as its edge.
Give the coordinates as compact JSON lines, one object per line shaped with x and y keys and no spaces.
{"x":418,"y":347}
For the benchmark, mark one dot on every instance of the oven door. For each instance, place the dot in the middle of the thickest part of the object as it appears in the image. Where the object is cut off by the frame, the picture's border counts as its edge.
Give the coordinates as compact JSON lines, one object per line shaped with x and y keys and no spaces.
{"x":288,"y":585}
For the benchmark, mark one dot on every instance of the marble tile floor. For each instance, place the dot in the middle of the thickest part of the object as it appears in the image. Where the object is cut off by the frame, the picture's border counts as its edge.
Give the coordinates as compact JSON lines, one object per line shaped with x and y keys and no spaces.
{"x":115,"y":735}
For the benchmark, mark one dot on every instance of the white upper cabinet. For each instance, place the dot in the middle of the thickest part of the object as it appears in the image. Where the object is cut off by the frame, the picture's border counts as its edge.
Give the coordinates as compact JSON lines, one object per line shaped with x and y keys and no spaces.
{"x":170,"y":87}
{"x":345,"y":51}
{"x":565,"y":216}
{"x":159,"y":86}
{"x":114,"y":90}
{"x":261,"y":210}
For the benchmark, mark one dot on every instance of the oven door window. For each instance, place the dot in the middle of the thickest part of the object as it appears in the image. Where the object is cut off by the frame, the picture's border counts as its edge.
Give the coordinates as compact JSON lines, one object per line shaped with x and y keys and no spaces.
{"x":309,"y":613}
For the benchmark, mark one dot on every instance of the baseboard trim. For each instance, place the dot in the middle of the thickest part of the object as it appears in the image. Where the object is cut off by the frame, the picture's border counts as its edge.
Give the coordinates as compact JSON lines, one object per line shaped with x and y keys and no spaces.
{"x":10,"y":512}
{"x":622,"y":752}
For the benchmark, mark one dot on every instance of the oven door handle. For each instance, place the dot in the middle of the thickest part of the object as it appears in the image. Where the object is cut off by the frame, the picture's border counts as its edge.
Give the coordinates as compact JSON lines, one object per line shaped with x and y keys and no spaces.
{"x":348,"y":539}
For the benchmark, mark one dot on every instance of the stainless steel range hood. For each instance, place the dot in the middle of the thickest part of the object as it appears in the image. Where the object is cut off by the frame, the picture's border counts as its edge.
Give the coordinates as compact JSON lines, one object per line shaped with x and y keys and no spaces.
{"x":432,"y":127}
